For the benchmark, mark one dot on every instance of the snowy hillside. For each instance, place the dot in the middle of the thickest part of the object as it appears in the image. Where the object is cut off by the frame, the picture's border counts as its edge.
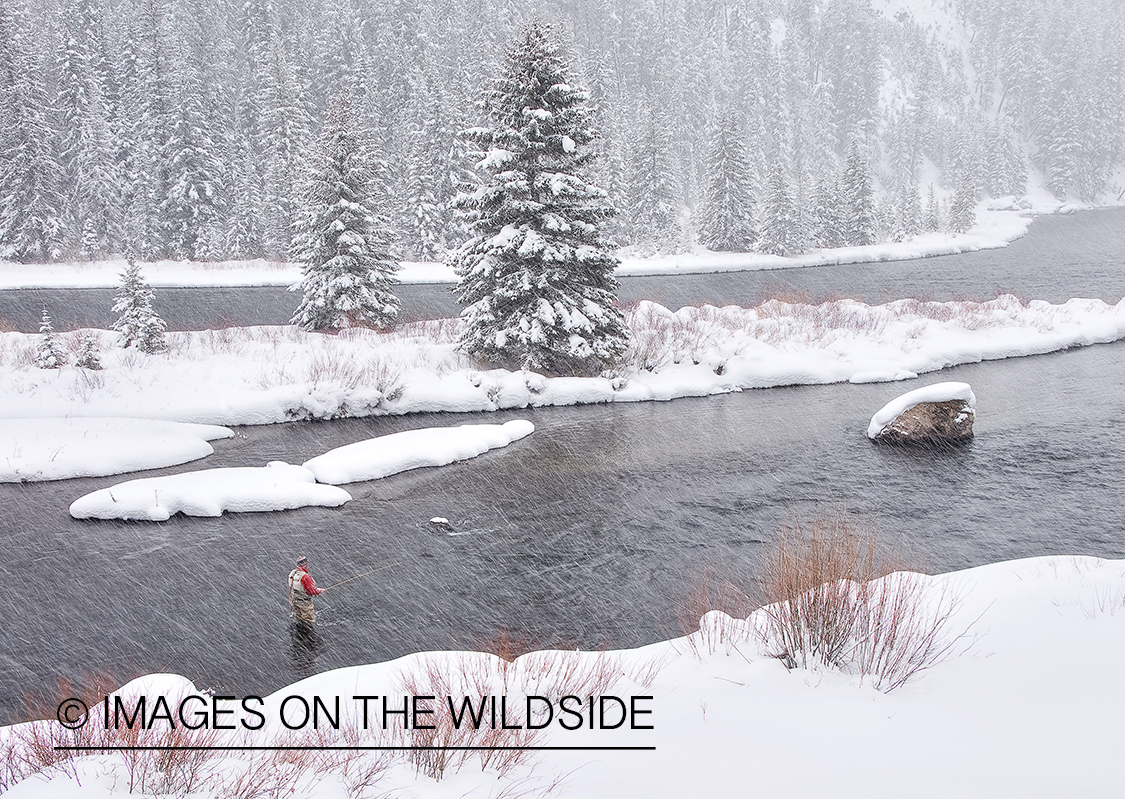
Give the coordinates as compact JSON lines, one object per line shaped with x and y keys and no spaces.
{"x":184,"y":131}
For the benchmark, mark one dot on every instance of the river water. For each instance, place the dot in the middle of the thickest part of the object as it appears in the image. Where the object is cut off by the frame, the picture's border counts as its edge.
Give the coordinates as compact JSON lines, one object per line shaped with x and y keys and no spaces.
{"x":1075,"y":255}
{"x":586,"y":533}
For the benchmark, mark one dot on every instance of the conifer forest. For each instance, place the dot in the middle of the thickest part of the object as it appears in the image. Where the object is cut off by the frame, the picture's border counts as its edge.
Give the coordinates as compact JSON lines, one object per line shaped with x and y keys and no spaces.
{"x":194,"y":129}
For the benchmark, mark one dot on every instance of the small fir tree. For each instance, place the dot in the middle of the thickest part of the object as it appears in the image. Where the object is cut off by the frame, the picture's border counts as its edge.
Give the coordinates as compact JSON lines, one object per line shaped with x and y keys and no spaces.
{"x":727,"y":221}
{"x":963,"y":212}
{"x":137,"y":322}
{"x":536,"y":278}
{"x":342,"y":240}
{"x":88,"y":353}
{"x":49,"y":354}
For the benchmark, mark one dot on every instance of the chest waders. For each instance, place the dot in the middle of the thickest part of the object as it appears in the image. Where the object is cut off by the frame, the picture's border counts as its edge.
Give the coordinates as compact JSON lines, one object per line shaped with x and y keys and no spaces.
{"x":299,"y":599}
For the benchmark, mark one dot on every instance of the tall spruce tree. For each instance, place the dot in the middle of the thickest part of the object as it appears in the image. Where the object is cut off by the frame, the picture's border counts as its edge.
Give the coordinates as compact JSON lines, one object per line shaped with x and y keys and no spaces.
{"x":906,"y":219}
{"x":727,"y":222}
{"x":963,"y":211}
{"x":783,"y":232}
{"x":931,"y":219}
{"x":192,"y":175}
{"x":858,"y":199}
{"x":86,"y":147}
{"x":654,"y":196}
{"x":536,"y":278}
{"x":283,"y":135}
{"x":827,"y":227}
{"x":31,"y":201}
{"x":342,"y":240}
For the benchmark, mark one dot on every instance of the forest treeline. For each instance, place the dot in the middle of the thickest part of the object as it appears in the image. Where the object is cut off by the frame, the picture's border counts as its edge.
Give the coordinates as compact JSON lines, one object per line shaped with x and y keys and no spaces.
{"x":184,"y":128}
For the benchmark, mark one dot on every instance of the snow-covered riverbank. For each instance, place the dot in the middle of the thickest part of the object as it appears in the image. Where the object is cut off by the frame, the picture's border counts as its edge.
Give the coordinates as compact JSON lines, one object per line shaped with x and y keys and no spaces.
{"x":1026,"y":703}
{"x":264,"y":375}
{"x":995,"y":228}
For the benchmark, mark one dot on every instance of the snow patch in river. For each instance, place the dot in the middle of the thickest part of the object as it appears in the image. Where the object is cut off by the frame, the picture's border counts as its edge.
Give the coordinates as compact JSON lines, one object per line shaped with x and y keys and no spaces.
{"x":60,"y":448}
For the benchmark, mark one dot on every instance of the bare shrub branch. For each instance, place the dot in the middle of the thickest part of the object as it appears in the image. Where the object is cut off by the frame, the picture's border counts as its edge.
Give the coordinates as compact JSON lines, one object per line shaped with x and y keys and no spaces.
{"x":828,"y":604}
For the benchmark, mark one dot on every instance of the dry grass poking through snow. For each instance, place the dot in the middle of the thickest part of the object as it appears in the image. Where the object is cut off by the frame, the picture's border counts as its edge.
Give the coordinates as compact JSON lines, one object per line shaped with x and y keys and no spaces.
{"x":260,"y":375}
{"x":661,"y":337}
{"x":478,"y":677}
{"x":832,"y":602}
{"x":711,"y":612}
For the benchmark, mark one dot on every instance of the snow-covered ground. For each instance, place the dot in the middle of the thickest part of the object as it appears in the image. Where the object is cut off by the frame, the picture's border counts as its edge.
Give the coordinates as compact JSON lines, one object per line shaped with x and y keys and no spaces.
{"x":1027,"y":703}
{"x":262,"y":375}
{"x":56,"y":449}
{"x":998,"y":223}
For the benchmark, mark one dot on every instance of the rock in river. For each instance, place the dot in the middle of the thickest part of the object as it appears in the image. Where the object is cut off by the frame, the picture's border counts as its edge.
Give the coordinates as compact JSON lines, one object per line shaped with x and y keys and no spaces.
{"x":940,"y":413}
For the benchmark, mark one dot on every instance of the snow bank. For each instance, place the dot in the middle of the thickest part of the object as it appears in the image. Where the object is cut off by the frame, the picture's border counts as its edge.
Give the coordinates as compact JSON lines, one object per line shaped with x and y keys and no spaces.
{"x":994,"y":228}
{"x":413,"y":449}
{"x":261,"y":375}
{"x":1028,"y":704}
{"x":938,"y":392}
{"x":56,"y":449}
{"x":278,"y":486}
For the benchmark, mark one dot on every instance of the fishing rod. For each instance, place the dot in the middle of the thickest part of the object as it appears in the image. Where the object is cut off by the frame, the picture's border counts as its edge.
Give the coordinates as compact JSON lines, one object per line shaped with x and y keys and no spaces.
{"x":378,"y":569}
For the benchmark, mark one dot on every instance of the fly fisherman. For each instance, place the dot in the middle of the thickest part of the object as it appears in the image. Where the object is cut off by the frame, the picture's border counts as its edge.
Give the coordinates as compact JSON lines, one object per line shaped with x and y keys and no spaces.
{"x":302,"y":588}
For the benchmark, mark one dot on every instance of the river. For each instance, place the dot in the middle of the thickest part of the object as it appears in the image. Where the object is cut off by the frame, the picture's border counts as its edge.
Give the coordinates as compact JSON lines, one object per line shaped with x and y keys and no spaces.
{"x":1074,"y":255}
{"x":588,"y":533}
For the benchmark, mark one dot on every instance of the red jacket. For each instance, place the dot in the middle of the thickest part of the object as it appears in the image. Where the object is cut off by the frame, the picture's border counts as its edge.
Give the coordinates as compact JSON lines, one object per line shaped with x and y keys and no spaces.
{"x":308,"y":583}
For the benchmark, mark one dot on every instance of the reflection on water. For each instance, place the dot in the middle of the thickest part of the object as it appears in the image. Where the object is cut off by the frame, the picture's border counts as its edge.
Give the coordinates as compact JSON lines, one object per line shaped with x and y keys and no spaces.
{"x":304,"y":647}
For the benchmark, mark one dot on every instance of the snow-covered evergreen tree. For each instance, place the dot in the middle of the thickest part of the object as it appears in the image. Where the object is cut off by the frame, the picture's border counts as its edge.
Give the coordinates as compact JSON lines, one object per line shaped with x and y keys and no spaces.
{"x":931,"y":219}
{"x":536,"y":278}
{"x":827,"y":227}
{"x":727,"y":221}
{"x":284,"y":134}
{"x":348,"y":273}
{"x":906,"y":220}
{"x":244,"y":233}
{"x":858,"y":200}
{"x":425,"y":212}
{"x":654,"y":198}
{"x":191,"y":207}
{"x":783,"y":232}
{"x":963,"y":211}
{"x":146,"y":94}
{"x":88,"y":353}
{"x":87,"y":148}
{"x":137,"y":321}
{"x":31,"y":202}
{"x":48,"y":355}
